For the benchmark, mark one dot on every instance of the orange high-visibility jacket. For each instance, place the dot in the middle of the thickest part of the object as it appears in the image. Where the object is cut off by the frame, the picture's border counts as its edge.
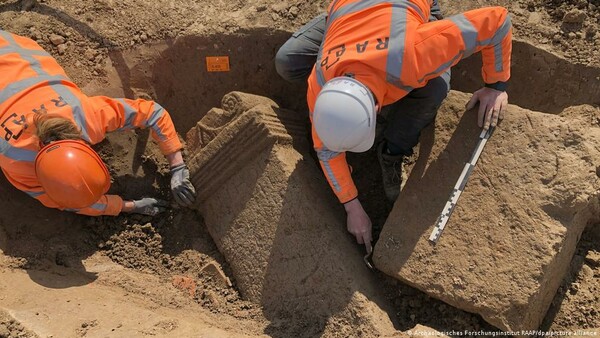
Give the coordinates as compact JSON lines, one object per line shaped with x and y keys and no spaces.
{"x":32,"y":82}
{"x":392,"y":48}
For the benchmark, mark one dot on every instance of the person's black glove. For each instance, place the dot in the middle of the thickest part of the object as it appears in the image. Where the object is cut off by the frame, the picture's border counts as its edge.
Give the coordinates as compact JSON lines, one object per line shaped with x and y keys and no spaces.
{"x":181,"y":186}
{"x":149,"y":206}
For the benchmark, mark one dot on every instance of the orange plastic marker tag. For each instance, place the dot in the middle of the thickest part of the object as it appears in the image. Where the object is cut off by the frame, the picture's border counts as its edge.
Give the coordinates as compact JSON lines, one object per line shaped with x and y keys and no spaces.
{"x":217,"y":63}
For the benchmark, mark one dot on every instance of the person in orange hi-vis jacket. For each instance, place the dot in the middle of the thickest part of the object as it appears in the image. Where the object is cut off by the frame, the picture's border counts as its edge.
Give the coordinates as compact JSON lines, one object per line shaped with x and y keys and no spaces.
{"x":364,"y":56}
{"x":47,"y":126}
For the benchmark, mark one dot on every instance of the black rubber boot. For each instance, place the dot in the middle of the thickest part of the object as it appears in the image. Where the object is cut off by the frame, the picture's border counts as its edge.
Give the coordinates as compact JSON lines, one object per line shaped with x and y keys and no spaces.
{"x":391,"y":170}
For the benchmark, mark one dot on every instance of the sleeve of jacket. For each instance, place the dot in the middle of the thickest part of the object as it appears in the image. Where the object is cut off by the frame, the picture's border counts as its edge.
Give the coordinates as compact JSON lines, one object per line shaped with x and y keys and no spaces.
{"x":108,"y":205}
{"x":125,"y":114}
{"x":334,"y":164}
{"x":336,"y":170}
{"x":441,"y":44}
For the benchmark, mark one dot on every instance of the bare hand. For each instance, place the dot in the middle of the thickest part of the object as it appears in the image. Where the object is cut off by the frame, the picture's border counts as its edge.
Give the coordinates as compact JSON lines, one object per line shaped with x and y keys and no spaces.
{"x":359,"y":223}
{"x":492,"y":104}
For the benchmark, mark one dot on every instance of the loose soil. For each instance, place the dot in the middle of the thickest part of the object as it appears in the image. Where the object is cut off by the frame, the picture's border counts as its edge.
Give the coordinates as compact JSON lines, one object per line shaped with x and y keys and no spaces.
{"x":169,"y":264}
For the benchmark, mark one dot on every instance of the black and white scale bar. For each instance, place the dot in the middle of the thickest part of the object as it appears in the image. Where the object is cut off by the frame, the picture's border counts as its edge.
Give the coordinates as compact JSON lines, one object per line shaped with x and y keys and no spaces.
{"x":459,"y":187}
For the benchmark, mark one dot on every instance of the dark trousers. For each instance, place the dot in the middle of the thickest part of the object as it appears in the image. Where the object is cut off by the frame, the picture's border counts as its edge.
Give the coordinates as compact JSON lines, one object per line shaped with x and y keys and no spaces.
{"x":295,"y":59}
{"x":405,"y":118}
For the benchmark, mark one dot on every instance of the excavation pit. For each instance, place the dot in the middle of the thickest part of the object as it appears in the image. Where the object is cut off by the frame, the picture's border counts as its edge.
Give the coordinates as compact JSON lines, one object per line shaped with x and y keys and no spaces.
{"x":60,"y":251}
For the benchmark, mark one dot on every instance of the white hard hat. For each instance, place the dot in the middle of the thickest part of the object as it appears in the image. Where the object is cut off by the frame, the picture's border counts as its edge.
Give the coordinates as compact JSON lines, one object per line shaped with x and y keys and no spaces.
{"x":344,"y":115}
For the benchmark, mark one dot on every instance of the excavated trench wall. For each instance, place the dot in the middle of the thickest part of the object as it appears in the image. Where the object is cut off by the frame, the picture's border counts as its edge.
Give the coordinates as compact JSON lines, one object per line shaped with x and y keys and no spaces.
{"x":540,"y":80}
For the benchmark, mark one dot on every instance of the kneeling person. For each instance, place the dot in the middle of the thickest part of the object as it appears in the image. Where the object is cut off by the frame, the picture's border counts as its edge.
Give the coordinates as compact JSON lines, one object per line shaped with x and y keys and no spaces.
{"x":396,"y":56}
{"x":48,"y":125}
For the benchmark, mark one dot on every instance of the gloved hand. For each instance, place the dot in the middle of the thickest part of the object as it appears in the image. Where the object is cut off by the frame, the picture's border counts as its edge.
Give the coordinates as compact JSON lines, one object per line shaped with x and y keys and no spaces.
{"x":149,"y":206}
{"x":181,"y":186}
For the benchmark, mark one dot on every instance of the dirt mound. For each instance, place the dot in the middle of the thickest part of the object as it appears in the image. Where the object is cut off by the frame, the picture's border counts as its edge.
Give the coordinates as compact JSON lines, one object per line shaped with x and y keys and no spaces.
{"x":10,"y":328}
{"x":134,"y":242}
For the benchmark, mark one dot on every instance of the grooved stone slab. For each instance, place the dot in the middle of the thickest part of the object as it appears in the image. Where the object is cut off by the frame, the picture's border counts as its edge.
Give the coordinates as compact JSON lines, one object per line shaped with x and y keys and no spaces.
{"x":510,"y":240}
{"x":270,"y":212}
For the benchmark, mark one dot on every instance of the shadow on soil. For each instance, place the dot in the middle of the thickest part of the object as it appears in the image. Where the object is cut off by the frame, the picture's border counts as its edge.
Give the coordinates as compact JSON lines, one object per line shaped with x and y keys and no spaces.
{"x":42,"y":238}
{"x":590,"y":241}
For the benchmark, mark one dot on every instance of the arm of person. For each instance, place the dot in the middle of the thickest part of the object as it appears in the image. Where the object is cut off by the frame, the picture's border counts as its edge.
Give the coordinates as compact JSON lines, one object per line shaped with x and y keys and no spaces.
{"x":113,"y":205}
{"x":126,"y":114}
{"x":487,"y":30}
{"x":21,"y":179}
{"x":338,"y":174}
{"x":108,"y":205}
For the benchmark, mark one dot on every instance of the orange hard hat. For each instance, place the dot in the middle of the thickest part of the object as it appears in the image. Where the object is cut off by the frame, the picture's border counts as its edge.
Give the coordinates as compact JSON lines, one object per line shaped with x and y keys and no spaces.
{"x":72,"y":174}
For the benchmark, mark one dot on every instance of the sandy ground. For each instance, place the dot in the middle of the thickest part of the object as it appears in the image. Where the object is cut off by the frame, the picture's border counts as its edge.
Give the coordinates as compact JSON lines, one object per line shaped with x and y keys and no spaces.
{"x":64,"y":275}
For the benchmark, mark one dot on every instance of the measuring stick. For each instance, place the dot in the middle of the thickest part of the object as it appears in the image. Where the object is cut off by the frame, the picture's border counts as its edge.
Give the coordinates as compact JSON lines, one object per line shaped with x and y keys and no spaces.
{"x":459,"y":187}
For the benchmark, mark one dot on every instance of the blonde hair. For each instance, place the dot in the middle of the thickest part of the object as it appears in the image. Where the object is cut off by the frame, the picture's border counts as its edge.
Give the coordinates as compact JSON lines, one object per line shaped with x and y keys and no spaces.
{"x":52,"y":127}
